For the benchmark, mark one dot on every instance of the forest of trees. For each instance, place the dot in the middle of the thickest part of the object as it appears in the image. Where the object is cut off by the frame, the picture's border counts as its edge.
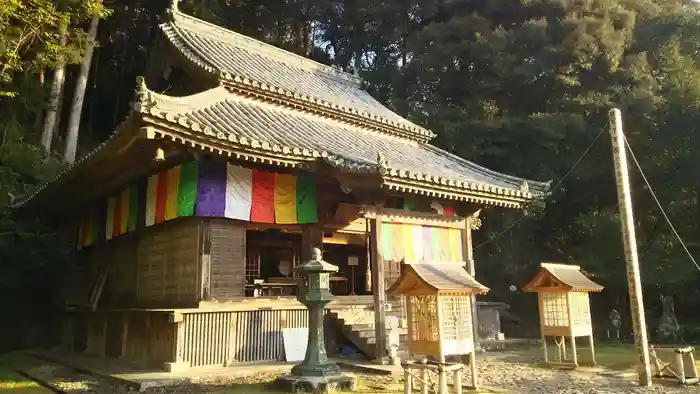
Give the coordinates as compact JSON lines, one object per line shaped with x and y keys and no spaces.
{"x":521,"y":87}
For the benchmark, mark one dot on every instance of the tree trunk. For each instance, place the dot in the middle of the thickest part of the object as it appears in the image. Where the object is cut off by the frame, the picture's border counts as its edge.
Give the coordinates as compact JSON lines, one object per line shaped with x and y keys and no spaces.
{"x":79,"y":95}
{"x":59,"y":79}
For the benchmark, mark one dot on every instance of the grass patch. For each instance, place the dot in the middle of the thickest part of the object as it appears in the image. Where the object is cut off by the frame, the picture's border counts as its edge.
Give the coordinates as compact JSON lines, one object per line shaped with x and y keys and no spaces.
{"x":619,"y":357}
{"x":13,"y":383}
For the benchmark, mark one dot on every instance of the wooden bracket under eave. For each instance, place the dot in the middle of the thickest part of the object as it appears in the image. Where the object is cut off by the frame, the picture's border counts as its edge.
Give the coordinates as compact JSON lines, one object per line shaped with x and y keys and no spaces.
{"x":147,"y":132}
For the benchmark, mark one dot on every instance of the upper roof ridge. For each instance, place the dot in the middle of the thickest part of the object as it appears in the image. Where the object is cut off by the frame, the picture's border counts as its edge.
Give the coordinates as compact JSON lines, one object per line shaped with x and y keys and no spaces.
{"x":209,"y":29}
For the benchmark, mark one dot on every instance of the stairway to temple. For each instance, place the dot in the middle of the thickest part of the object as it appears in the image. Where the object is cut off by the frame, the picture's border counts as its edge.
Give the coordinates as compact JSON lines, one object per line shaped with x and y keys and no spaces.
{"x":354,"y":317}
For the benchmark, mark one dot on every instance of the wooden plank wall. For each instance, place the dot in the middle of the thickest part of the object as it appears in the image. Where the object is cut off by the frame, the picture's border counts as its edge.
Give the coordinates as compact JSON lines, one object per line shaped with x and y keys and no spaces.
{"x":227,"y":251}
{"x":168,"y":263}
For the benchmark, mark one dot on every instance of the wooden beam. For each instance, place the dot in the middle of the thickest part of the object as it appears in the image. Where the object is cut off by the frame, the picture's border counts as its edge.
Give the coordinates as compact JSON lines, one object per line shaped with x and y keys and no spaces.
{"x":378,"y":290}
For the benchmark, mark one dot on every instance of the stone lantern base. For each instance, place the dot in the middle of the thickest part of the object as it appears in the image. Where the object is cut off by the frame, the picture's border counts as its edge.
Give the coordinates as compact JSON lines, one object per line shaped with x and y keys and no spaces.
{"x":317,"y":384}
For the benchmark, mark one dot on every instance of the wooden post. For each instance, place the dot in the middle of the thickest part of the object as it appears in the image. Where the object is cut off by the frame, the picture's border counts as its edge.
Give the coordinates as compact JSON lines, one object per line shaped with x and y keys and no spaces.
{"x":424,"y":378}
{"x":570,"y":314}
{"x":442,"y":378}
{"x":468,"y":253}
{"x":441,"y":328}
{"x":409,"y":319}
{"x":458,"y":381}
{"x":407,"y":381}
{"x":178,"y":363}
{"x":378,"y":290}
{"x":124,"y":335}
{"x":634,"y":279}
{"x":544,"y":337}
{"x":205,"y":261}
{"x":590,"y":342}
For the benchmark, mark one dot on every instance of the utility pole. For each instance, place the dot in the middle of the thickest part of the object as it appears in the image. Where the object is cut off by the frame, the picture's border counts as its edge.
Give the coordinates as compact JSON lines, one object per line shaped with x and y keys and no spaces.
{"x":634,"y":281}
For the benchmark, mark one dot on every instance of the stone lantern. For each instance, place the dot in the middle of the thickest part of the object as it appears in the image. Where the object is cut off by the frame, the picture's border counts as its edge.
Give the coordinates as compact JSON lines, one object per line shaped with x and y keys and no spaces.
{"x":316,"y":374}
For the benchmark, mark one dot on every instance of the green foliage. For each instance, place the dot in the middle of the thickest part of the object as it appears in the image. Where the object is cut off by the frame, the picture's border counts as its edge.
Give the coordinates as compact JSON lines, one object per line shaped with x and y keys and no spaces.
{"x":31,"y":31}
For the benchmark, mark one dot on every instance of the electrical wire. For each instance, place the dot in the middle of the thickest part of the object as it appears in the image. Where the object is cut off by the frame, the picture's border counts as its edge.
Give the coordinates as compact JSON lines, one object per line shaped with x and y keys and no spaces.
{"x":658,"y":203}
{"x":554,"y":188}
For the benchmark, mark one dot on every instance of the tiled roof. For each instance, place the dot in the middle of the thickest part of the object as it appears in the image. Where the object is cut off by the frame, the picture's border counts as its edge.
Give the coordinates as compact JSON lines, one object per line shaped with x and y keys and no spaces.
{"x":569,"y":276}
{"x":445,"y":277}
{"x":351,"y":147}
{"x":236,"y":57}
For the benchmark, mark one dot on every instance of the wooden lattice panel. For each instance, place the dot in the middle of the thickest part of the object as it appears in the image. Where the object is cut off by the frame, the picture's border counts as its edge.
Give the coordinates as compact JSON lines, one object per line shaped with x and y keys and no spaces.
{"x":580,"y":311}
{"x":456,"y":316}
{"x":424,"y":318}
{"x":554,"y":310}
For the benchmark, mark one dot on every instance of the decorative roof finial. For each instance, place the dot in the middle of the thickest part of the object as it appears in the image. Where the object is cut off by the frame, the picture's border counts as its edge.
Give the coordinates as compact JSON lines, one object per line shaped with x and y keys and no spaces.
{"x":316,"y":254}
{"x":143,"y":98}
{"x":524,"y":188}
{"x":141,"y":91}
{"x":382,"y":161}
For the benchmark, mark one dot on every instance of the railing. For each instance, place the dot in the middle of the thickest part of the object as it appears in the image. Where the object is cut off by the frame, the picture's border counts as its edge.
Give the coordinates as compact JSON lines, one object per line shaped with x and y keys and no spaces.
{"x":430,"y":370}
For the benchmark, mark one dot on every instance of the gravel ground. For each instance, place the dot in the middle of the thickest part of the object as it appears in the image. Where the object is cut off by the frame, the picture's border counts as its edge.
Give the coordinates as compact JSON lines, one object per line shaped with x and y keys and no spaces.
{"x":519,"y":374}
{"x":503,"y":372}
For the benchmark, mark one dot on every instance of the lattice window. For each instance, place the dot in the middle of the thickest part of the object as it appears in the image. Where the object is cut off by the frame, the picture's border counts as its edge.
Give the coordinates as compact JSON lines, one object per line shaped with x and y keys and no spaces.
{"x":252,"y":267}
{"x":457,"y":319}
{"x":580,"y":309}
{"x":424,"y":318}
{"x":554,"y":309}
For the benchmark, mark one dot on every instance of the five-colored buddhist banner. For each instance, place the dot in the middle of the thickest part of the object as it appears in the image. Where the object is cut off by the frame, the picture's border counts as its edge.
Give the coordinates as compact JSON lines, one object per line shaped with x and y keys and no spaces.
{"x":208,"y":189}
{"x":420,"y":243}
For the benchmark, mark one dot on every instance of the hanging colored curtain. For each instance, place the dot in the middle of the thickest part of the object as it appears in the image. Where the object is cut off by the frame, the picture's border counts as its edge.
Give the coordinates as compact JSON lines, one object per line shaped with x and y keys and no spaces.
{"x":397,"y":241}
{"x":89,"y":228}
{"x":427,"y":243}
{"x":187,"y":190}
{"x":418,"y":244}
{"x":206,"y":188}
{"x":263,"y":206}
{"x":455,"y":237}
{"x":408,"y":242}
{"x":171,"y":194}
{"x":172,"y":189}
{"x":239,"y":192}
{"x":211,"y":189}
{"x":307,"y":206}
{"x":112,"y":206}
{"x":387,"y":241}
{"x":285,"y":199}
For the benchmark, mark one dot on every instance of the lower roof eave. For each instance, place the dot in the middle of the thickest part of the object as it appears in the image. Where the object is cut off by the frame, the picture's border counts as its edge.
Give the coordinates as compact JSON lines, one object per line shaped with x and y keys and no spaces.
{"x":450,"y":193}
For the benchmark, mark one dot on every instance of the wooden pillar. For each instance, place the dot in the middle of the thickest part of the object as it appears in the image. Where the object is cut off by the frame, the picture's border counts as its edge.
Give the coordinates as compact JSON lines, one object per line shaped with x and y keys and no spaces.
{"x":441,"y":327}
{"x":540,"y":307}
{"x":124,"y":335}
{"x":378,"y":290}
{"x":205,"y":261}
{"x":468,"y":254}
{"x":177,"y":363}
{"x":569,"y":312}
{"x":311,"y":237}
{"x":592,"y":345}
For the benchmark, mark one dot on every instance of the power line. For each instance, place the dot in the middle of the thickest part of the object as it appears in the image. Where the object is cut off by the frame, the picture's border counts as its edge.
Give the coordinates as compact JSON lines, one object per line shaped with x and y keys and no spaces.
{"x":658,"y":203}
{"x":555,"y":187}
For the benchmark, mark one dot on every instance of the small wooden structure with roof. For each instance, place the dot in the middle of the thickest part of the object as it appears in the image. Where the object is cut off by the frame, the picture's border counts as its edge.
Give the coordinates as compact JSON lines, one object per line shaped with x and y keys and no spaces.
{"x":439,"y":312}
{"x":564,"y":307}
